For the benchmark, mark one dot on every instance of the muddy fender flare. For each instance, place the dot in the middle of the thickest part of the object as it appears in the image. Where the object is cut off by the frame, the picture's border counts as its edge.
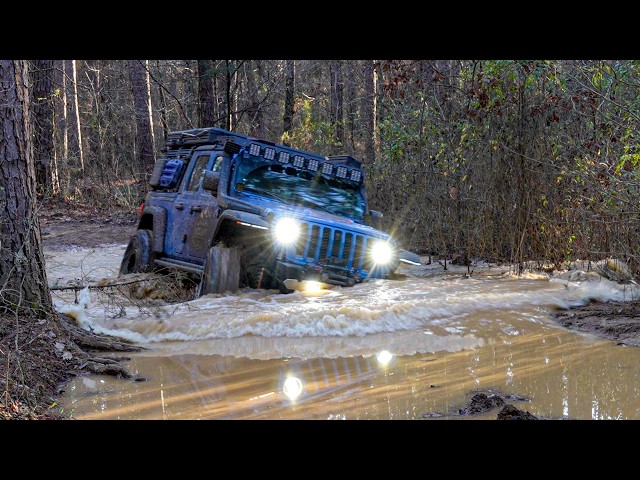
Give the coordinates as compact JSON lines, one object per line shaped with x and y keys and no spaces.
{"x":159,"y":226}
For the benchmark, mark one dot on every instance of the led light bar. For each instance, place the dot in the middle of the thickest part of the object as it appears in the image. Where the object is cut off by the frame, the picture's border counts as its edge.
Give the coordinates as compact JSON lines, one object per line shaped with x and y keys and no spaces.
{"x":254,"y":149}
{"x":327,"y":168}
{"x":298,"y":161}
{"x":313,"y":164}
{"x":283,"y":157}
{"x":269,"y":154}
{"x":356,"y":175}
{"x":341,"y":172}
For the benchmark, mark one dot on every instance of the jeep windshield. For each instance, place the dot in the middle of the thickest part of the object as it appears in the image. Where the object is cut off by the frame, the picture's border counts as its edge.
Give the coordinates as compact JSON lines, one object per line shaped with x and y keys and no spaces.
{"x":295,"y":186}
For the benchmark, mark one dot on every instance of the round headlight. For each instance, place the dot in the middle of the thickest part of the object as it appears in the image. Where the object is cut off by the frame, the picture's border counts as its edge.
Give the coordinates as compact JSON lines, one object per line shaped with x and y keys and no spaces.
{"x":381,"y":252}
{"x":286,"y":230}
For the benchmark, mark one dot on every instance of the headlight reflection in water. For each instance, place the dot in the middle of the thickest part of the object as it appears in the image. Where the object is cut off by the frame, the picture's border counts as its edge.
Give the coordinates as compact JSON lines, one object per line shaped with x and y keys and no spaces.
{"x":292,"y":387}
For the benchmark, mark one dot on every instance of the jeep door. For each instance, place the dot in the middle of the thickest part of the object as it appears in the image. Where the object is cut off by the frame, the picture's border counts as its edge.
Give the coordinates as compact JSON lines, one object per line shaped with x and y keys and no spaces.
{"x":205,"y":219}
{"x":195,"y":212}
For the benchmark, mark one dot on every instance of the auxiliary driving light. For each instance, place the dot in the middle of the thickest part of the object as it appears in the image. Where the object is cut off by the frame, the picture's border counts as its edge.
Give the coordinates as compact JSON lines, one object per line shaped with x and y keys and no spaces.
{"x":381,"y":252}
{"x":286,"y":231}
{"x":313,"y":164}
{"x":269,"y":153}
{"x":298,"y":161}
{"x":254,"y":149}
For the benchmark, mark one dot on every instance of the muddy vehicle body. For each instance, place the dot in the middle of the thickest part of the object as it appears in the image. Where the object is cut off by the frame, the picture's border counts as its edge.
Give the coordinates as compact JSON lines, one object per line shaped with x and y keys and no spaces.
{"x":238,"y":211}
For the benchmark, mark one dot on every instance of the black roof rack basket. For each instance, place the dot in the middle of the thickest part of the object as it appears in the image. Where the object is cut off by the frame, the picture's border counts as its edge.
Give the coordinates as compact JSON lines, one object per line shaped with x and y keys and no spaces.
{"x":200,"y":136}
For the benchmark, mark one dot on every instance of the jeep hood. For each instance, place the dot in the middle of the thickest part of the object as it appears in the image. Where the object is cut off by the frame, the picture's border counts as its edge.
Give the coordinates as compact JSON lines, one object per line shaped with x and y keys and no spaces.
{"x":309,"y":214}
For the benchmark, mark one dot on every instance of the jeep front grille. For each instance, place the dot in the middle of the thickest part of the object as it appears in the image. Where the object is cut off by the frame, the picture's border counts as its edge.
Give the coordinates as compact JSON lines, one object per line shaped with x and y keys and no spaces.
{"x":319,"y":243}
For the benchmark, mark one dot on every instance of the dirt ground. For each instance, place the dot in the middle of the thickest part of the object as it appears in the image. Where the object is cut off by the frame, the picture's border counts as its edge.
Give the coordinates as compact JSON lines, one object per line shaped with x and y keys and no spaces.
{"x":31,"y":375}
{"x":85,"y":226}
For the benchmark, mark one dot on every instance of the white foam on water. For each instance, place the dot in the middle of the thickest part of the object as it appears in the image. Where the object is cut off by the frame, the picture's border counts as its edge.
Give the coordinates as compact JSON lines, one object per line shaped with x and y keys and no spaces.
{"x":438,"y":306}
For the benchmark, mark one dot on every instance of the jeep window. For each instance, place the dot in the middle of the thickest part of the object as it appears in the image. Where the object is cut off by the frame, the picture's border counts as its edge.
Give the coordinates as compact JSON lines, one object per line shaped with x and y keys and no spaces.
{"x":299,"y":187}
{"x":217,"y":165}
{"x":198,"y":172}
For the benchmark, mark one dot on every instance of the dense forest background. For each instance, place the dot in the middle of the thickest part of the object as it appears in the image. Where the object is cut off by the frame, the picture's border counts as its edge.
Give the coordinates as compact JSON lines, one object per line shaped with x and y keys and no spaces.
{"x":505,"y":160}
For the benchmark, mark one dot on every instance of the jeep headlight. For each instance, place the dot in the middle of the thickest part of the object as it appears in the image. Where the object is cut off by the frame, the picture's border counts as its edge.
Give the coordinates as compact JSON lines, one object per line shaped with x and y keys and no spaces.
{"x":381,"y":252}
{"x":286,"y":231}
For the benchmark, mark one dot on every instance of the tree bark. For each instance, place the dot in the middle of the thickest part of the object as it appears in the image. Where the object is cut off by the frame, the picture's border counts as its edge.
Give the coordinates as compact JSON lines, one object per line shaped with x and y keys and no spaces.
{"x":289,"y":97}
{"x":23,"y":280}
{"x":42,"y":110}
{"x":206,"y":101}
{"x":145,"y":150}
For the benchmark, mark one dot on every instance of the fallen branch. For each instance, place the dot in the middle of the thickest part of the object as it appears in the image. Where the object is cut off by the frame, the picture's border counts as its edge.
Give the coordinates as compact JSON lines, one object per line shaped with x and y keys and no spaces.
{"x":105,"y":366}
{"x":100,"y":286}
{"x":95,"y":341}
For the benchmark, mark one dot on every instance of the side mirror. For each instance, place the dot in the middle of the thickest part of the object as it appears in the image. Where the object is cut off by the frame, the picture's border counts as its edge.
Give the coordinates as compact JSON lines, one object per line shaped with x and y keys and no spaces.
{"x":211,"y":181}
{"x":375,"y":219}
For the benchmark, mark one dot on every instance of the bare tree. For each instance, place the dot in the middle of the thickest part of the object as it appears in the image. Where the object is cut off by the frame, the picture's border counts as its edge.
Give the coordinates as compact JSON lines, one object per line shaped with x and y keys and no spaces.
{"x":23,"y":279}
{"x":289,"y":98}
{"x":206,"y":100}
{"x":145,"y":150}
{"x":72,"y":124}
{"x":336,"y":115}
{"x":41,"y":73}
{"x":228,"y":94}
{"x":254,"y":110}
{"x":369,"y":111}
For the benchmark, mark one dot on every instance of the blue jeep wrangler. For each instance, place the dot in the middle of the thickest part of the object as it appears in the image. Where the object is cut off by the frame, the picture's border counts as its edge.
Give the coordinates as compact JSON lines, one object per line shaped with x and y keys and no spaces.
{"x":237,"y":211}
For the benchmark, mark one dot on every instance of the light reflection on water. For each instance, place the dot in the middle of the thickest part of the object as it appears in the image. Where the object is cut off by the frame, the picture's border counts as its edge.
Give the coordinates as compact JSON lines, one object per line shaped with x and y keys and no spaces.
{"x":261,"y":355}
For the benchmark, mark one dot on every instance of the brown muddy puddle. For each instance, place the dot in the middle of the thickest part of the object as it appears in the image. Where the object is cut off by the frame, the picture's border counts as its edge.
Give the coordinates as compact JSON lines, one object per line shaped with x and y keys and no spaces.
{"x":413,"y":349}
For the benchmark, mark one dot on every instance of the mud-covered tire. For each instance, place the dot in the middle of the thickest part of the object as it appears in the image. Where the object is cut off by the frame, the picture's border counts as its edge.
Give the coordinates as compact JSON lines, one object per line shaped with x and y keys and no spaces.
{"x":255,"y":269}
{"x":221,"y":270}
{"x":138,"y":257}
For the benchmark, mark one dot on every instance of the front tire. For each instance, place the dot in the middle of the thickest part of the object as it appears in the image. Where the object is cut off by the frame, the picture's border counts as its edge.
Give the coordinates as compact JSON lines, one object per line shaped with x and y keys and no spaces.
{"x":138,"y":257}
{"x":221,"y":270}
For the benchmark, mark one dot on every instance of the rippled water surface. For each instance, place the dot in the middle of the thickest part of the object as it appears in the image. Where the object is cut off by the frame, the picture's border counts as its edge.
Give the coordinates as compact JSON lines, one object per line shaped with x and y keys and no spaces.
{"x":416,"y":348}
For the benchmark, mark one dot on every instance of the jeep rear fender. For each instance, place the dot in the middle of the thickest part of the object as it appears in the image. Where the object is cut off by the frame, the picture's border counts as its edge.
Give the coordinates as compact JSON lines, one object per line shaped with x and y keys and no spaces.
{"x":155,"y":219}
{"x":231,"y":220}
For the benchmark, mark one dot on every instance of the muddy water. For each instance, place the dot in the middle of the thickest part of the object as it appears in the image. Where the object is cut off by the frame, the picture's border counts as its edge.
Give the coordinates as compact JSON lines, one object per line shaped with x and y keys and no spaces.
{"x":416,"y":348}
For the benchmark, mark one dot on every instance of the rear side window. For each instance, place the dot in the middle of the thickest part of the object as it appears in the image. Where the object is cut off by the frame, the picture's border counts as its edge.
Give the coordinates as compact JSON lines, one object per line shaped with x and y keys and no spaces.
{"x":198,"y":172}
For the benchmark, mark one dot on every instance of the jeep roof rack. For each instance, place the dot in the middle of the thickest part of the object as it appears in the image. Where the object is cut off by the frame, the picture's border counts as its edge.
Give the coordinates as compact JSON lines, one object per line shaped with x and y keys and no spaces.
{"x":347,"y":160}
{"x":180,"y":140}
{"x":200,"y":136}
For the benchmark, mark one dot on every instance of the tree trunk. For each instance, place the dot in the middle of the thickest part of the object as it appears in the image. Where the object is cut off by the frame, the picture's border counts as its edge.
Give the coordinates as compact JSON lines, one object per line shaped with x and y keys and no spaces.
{"x":145,"y":150}
{"x":369,"y":113}
{"x":206,"y":101}
{"x":350,"y":104}
{"x":74,"y":135}
{"x":42,"y":110}
{"x":256,"y":120}
{"x":95,"y":139}
{"x":336,"y":116}
{"x":228,"y":97}
{"x":23,"y":281}
{"x":218,"y":94}
{"x":289,"y":97}
{"x":163,"y":104}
